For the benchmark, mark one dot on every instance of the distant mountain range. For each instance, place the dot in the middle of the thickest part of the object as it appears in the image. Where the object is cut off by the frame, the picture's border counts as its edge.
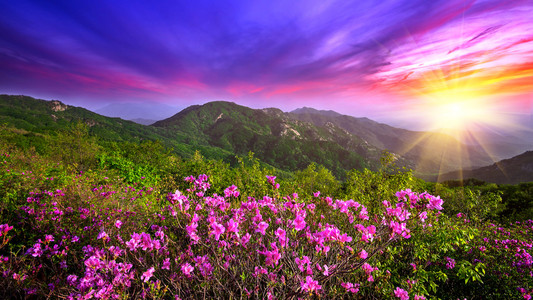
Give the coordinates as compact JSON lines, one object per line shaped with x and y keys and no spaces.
{"x":142,"y":113}
{"x":430,"y":153}
{"x":508,"y":171}
{"x":285,"y":140}
{"x":143,"y":121}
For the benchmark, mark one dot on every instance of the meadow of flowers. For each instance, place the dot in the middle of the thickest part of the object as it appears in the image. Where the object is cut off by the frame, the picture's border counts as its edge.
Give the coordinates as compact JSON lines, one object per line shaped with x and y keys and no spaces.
{"x":70,"y":234}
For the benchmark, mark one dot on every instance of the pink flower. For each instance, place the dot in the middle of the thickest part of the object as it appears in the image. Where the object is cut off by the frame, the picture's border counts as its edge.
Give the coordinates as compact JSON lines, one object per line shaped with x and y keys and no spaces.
{"x":399,"y":228}
{"x":148,"y":274}
{"x":93,"y":262}
{"x":218,"y":229}
{"x":367,"y":232}
{"x":231,"y":191}
{"x":48,"y":238}
{"x":310,"y":285}
{"x":245,"y":239}
{"x":363,"y":254}
{"x":166,"y":264}
{"x":282,"y":236}
{"x":368,"y":270}
{"x":233,"y":226}
{"x":259,"y":271}
{"x":4,"y":228}
{"x":118,"y":224}
{"x":435,"y":203}
{"x":350,"y":287}
{"x":261,"y":227}
{"x":187,"y":269}
{"x":401,"y":293}
{"x":272,"y":257}
{"x":417,"y":297}
{"x":450,"y":263}
{"x":191,"y":230}
{"x":302,"y":262}
{"x":134,"y":242}
{"x":326,"y":270}
{"x":146,"y":242}
{"x":299,"y":223}
{"x":345,"y":238}
{"x":258,"y":217}
{"x":363,"y":214}
{"x":103,"y":235}
{"x":36,"y":250}
{"x":271,"y":179}
{"x":398,"y":212}
{"x":71,"y":279}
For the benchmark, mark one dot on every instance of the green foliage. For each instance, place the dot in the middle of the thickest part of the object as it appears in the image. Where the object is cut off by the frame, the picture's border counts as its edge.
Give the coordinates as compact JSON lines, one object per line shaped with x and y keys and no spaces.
{"x":127,"y":169}
{"x":372,"y":188}
{"x":74,"y":146}
{"x":317,"y":178}
{"x":517,"y":200}
{"x":90,"y":167}
{"x":475,"y":203}
{"x":503,"y":203}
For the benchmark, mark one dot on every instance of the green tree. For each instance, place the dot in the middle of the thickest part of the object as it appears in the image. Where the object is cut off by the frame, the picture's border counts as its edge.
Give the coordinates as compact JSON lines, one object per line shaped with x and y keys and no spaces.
{"x":316,"y":178}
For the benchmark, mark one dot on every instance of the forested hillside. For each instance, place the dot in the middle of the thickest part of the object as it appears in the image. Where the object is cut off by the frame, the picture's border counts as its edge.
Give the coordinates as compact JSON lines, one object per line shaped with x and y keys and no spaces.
{"x":86,"y":217}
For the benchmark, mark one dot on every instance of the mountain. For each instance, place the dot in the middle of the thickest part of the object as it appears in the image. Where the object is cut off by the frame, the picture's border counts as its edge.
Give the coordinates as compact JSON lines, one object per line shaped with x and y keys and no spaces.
{"x":431,"y":152}
{"x":219,"y":130}
{"x":502,"y":143}
{"x":287,"y":141}
{"x":309,"y":110}
{"x":508,"y":171}
{"x":41,"y":116}
{"x":274,"y":137}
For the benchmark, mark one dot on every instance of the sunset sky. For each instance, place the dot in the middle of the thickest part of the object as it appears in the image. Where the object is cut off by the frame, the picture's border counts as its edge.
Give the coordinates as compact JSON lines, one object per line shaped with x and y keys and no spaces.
{"x":424,"y":64}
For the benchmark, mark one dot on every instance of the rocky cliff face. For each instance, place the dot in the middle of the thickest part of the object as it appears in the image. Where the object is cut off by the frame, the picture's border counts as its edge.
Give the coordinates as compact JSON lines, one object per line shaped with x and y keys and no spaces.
{"x":56,"y":105}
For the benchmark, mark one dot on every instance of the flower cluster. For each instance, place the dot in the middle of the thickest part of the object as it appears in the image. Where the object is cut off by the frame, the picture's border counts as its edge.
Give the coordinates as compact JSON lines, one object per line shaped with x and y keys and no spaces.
{"x":200,"y":244}
{"x":265,"y":237}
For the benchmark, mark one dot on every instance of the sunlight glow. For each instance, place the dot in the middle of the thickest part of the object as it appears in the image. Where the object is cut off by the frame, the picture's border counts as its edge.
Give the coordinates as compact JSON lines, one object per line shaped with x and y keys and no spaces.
{"x":448,"y":113}
{"x":455,"y":105}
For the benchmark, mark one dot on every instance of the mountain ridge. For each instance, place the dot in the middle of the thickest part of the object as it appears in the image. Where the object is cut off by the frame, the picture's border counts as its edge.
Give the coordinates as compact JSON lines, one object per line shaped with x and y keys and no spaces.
{"x":285,"y":140}
{"x":273,"y":136}
{"x":514,"y":170}
{"x":447,"y":154}
{"x":499,"y":143}
{"x":37,"y":115}
{"x":232,"y":135}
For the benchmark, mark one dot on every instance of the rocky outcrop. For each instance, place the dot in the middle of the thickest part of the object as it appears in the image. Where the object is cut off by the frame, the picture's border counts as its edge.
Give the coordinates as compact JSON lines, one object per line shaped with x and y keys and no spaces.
{"x":58,"y":105}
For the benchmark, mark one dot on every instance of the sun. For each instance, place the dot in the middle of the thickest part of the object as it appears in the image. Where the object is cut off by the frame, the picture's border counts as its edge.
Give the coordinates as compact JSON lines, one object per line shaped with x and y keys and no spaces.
{"x":454,"y":104}
{"x":453,"y":114}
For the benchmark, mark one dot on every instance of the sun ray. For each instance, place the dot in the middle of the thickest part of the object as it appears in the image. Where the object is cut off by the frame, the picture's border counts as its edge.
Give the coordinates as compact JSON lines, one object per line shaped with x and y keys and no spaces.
{"x":457,"y":99}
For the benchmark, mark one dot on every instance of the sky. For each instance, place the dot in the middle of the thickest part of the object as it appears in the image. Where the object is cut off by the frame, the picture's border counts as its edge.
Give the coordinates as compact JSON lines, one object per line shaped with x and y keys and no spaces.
{"x":417,"y":63}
